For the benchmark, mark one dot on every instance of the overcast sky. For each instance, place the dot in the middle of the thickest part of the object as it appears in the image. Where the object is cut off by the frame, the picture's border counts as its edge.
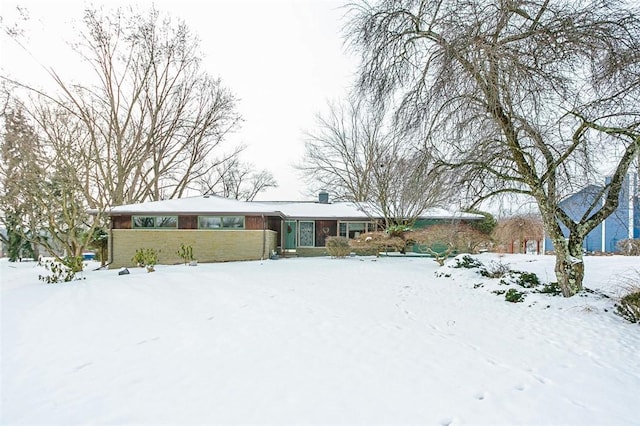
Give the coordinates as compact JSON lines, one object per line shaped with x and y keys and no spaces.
{"x":282,"y":59}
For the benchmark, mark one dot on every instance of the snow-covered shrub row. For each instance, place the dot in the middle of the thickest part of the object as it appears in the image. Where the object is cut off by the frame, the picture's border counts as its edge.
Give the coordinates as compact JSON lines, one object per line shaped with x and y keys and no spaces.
{"x":507,"y":276}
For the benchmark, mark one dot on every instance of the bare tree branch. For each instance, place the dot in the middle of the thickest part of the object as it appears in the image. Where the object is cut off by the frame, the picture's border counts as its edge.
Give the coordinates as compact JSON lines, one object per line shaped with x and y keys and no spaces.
{"x":517,"y":96}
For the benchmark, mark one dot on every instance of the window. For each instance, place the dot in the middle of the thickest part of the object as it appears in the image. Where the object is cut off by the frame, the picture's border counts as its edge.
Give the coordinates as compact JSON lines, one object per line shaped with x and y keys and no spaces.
{"x":209,"y":222}
{"x":155,"y":222}
{"x":166,"y":222}
{"x":221,"y":222}
{"x":233,"y":222}
{"x":354,"y":229}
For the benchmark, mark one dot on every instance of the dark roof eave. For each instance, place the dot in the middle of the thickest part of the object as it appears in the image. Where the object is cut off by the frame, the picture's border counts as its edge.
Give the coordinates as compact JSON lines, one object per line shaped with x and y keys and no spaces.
{"x":277,"y":214}
{"x":360,"y":218}
{"x":174,"y":213}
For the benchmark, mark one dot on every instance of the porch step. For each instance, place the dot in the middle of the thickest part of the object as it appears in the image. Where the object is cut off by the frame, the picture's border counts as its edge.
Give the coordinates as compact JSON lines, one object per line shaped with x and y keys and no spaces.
{"x":290,"y":253}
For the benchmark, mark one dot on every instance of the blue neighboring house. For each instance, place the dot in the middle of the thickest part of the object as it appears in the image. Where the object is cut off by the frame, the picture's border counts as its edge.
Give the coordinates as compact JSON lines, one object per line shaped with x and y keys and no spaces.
{"x":623,"y":223}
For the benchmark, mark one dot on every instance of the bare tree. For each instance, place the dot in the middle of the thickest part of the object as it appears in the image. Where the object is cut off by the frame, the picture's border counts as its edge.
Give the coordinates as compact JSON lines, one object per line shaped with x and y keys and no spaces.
{"x":519,"y":96}
{"x":236,"y":179}
{"x":149,"y":119}
{"x":357,"y":154}
{"x":343,"y":151}
{"x":146,"y":126}
{"x":406,"y":183}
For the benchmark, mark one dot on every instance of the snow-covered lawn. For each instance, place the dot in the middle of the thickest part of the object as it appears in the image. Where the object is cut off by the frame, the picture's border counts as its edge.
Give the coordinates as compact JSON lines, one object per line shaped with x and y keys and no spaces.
{"x":316,"y":340}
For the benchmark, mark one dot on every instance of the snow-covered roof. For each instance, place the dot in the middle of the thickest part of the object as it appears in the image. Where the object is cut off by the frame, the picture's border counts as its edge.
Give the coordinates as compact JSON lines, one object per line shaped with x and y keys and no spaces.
{"x":316,"y":210}
{"x":211,"y":204}
{"x":205,"y":204}
{"x":347,"y":210}
{"x":439,"y":213}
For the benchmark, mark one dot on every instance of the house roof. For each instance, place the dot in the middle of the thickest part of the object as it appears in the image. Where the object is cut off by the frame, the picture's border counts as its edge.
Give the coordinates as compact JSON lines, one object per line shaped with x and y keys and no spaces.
{"x":589,"y":191}
{"x":211,"y":204}
{"x":348,"y":210}
{"x":316,"y":210}
{"x":206,"y":204}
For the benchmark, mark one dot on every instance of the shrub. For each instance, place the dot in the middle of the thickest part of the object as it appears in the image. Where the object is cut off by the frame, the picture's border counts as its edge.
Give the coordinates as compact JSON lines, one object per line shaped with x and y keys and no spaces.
{"x":138,"y":258}
{"x":486,"y":225}
{"x":372,"y":243}
{"x":551,"y":288}
{"x":527,"y":279}
{"x":186,"y":253}
{"x":338,"y":247}
{"x":468,"y":262}
{"x":397,"y":230}
{"x":495,"y":270}
{"x":629,"y":247}
{"x":629,"y":306}
{"x":451,"y":238}
{"x":61,"y":271}
{"x":514,"y":296}
{"x":146,"y":257}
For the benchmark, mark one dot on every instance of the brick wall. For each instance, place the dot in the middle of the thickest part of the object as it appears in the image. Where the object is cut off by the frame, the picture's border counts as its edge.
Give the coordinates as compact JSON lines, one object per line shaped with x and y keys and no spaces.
{"x":311,"y":251}
{"x":208,"y":245}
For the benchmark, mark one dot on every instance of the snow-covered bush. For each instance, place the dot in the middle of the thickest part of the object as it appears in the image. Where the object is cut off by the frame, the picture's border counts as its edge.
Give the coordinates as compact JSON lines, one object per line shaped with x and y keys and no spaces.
{"x":552,"y":289}
{"x":338,"y":246}
{"x":514,"y":296}
{"x":495,"y":269}
{"x":61,"y":272}
{"x":372,"y":243}
{"x":527,"y":279}
{"x":628,"y":306}
{"x":629,"y":247}
{"x":467,"y":262}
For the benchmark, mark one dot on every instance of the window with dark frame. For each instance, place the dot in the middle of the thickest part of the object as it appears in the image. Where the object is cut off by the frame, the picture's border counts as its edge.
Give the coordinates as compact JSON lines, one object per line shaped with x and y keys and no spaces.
{"x":152,"y":222}
{"x":220,"y":222}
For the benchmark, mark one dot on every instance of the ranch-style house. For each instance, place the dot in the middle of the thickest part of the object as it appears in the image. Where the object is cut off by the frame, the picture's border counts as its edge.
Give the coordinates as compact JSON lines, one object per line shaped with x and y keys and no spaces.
{"x":221,"y":229}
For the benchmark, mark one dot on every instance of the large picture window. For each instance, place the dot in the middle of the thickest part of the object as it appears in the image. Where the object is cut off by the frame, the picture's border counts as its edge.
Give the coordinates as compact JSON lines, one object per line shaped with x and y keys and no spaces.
{"x":355,"y":229}
{"x":221,"y":222}
{"x":209,"y":222}
{"x":236,"y":222}
{"x":155,"y":221}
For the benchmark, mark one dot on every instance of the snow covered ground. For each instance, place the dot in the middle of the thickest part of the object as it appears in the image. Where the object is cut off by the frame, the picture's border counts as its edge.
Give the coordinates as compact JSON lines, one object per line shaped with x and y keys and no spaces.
{"x":316,"y":340}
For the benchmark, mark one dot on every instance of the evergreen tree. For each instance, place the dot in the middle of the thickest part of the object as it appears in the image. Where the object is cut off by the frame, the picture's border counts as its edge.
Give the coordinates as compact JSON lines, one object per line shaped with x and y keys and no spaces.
{"x":486,"y":225}
{"x":20,"y":170}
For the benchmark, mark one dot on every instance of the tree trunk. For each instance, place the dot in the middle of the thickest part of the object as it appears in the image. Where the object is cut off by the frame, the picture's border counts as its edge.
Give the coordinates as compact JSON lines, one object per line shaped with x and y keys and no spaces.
{"x":569,"y":267}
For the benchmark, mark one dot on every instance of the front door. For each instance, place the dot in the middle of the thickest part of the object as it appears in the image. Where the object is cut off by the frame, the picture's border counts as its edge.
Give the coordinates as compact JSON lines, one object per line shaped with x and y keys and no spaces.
{"x":290,"y":235}
{"x":307,"y":234}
